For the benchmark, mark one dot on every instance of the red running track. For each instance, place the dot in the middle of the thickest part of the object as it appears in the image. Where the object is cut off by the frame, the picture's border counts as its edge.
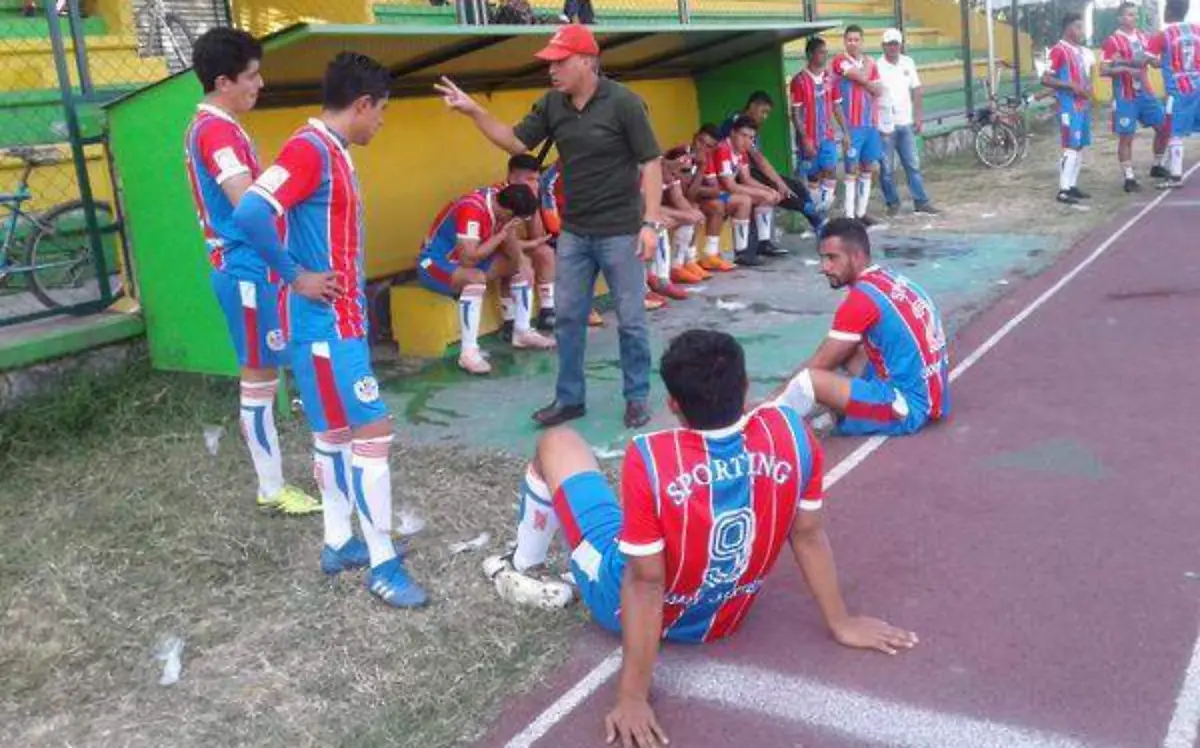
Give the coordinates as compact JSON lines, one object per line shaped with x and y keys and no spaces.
{"x":1044,"y":544}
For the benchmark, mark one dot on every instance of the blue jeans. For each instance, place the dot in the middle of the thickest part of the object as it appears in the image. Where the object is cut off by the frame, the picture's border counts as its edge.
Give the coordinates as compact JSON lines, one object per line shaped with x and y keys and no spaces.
{"x":579,"y":259}
{"x":902,"y":140}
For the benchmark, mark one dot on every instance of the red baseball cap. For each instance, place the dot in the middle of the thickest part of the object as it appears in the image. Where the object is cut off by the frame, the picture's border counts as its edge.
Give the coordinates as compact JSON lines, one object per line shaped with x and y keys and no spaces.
{"x":570,"y":39}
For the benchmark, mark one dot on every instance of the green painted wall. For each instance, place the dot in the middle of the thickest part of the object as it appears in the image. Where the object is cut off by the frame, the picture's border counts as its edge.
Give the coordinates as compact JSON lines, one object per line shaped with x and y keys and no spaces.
{"x":184,"y":325}
{"x":725,"y":90}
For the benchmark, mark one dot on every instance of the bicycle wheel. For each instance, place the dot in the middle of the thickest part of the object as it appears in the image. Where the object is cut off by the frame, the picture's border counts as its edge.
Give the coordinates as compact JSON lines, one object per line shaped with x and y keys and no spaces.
{"x":996,"y":145}
{"x":62,"y":269}
{"x":177,"y":36}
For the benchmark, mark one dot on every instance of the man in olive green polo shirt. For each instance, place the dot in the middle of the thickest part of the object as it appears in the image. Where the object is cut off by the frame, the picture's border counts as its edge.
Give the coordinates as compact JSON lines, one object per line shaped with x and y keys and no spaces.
{"x":612,"y":178}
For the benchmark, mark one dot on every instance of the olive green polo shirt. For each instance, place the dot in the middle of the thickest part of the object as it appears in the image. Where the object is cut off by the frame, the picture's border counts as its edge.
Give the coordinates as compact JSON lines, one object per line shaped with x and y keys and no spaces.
{"x":601,"y":149}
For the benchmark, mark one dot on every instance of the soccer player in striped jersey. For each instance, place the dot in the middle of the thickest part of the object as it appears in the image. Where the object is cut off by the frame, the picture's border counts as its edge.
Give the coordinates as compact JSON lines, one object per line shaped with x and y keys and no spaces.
{"x":730,"y":166}
{"x":858,"y":80}
{"x":705,"y":510}
{"x":816,"y":105}
{"x":473,"y":241}
{"x":525,"y":169}
{"x":1124,"y":57}
{"x":314,"y":184}
{"x":1177,"y":45}
{"x":1069,"y":77}
{"x":887,"y":335}
{"x":221,"y":165}
{"x":702,"y":188}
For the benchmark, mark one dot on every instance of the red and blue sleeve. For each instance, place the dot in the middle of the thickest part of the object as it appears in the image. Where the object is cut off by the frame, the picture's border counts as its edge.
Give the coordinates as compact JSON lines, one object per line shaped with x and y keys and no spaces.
{"x":641,"y":527}
{"x":854,"y":317}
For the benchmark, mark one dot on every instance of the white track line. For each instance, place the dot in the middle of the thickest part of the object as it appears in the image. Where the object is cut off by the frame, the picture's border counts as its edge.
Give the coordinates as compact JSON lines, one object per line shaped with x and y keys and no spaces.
{"x":567,"y":703}
{"x":1185,"y":722}
{"x":866,"y":719}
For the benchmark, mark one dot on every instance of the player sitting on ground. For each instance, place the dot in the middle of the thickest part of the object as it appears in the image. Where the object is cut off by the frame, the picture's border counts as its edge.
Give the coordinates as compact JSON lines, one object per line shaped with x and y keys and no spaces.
{"x":705,"y":509}
{"x":732,"y":169}
{"x":474,"y":242}
{"x":221,"y":166}
{"x":524,"y":169}
{"x":1124,"y":58}
{"x":704,"y":189}
{"x":888,"y":336}
{"x":679,"y":165}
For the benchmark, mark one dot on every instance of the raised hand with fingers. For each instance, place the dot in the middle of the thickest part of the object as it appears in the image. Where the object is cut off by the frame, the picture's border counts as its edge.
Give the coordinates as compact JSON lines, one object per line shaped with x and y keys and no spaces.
{"x":455,"y":98}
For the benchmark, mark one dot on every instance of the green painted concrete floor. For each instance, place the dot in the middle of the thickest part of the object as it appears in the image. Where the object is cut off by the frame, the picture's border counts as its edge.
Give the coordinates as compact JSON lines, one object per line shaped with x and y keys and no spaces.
{"x":779,"y":312}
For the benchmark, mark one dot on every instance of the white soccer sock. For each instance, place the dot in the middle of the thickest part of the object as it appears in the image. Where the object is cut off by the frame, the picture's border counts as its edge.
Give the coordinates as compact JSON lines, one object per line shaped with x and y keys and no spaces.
{"x":1127,"y":169}
{"x":1175,"y":155}
{"x":522,"y":299}
{"x":470,"y":308}
{"x":507,"y":313}
{"x":1076,"y":167}
{"x":537,"y":524}
{"x":763,"y":216}
{"x":662,"y":257}
{"x":741,"y":234}
{"x":851,"y":186}
{"x":331,"y":471}
{"x":1066,"y":167}
{"x":828,"y":194}
{"x":799,"y":394}
{"x":684,"y":251}
{"x":712,"y":246}
{"x":1160,"y":159}
{"x":371,"y":478}
{"x":258,"y":429}
{"x":864,"y":193}
{"x":546,"y":295}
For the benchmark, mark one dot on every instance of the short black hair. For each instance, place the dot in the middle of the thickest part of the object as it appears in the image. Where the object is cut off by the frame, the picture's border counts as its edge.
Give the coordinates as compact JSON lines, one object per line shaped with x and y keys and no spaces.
{"x":1069,"y":19}
{"x":760,"y":97}
{"x":852,"y":28}
{"x":1125,"y":6}
{"x":678,"y":151}
{"x":519,"y":199}
{"x":813,"y":45}
{"x":743,"y":122}
{"x":849,"y":230}
{"x":524,"y":162}
{"x":1176,"y":10}
{"x":705,"y":373}
{"x":223,"y":51}
{"x":710,"y":130}
{"x":351,"y":75}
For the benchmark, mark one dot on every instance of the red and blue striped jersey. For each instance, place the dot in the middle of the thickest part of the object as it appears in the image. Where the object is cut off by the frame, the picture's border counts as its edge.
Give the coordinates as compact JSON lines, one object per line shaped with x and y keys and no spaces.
{"x":217,"y":149}
{"x":1066,"y":63}
{"x":859,"y":107}
{"x":720,"y":506}
{"x":1123,"y":47}
{"x":816,"y":95}
{"x":552,"y":198}
{"x":726,"y":161}
{"x":901,"y":331}
{"x":470,"y":217}
{"x":313,"y":184}
{"x":1177,"y":45}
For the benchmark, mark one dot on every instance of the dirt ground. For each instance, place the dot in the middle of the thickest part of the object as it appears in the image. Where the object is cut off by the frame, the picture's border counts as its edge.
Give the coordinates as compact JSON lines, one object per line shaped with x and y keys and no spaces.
{"x":121,"y":529}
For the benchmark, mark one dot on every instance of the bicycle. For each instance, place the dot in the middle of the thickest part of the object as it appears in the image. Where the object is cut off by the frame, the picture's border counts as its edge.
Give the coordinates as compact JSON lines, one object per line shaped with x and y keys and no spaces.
{"x":1002,"y":127}
{"x":164,"y":28}
{"x":56,"y":248}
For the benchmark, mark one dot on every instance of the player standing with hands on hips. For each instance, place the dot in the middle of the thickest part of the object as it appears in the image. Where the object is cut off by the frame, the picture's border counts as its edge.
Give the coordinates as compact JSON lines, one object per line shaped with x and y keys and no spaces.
{"x":610,"y":161}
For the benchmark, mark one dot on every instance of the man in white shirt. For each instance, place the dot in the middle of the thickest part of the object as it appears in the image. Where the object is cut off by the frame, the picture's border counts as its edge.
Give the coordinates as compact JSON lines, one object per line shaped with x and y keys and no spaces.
{"x":900,"y":115}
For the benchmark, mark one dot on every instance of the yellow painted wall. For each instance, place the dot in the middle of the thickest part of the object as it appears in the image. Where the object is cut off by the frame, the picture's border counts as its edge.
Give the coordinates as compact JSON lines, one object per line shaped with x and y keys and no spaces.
{"x":944,"y":16}
{"x":261,"y":17}
{"x":426,"y":156}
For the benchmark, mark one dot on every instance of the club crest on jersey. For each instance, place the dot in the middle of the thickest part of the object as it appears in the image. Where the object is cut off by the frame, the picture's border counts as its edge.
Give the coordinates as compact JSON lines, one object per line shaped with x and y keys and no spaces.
{"x":275,"y":340}
{"x":367,"y":389}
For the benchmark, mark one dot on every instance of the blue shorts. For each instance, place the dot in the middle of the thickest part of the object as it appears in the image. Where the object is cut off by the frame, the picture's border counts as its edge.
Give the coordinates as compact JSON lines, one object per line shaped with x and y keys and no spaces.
{"x":437,"y":273}
{"x":336,"y":383}
{"x":1076,"y":128}
{"x":1183,"y":113}
{"x":724,"y":197}
{"x":825,"y":159}
{"x":1129,"y":113}
{"x":866,"y":147}
{"x":251,"y":311}
{"x":591,"y":520}
{"x":876,"y":407}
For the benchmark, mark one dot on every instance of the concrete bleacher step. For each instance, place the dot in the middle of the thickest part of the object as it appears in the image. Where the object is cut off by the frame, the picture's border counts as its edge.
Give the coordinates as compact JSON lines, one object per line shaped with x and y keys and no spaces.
{"x":14,"y":25}
{"x":28,"y":64}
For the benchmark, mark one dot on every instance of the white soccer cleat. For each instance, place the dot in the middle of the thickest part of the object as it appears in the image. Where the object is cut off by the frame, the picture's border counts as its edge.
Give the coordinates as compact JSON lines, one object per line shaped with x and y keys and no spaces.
{"x":525,"y":589}
{"x":472,"y":361}
{"x":533,"y":340}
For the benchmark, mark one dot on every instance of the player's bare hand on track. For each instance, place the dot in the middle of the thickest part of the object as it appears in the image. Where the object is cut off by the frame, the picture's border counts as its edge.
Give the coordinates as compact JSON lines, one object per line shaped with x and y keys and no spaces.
{"x":455,"y":98}
{"x":862,"y":632}
{"x":633,"y":721}
{"x":318,"y":286}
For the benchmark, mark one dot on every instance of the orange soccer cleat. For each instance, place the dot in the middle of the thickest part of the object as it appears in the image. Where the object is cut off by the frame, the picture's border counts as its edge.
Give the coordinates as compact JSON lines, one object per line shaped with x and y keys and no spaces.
{"x":717,"y":264}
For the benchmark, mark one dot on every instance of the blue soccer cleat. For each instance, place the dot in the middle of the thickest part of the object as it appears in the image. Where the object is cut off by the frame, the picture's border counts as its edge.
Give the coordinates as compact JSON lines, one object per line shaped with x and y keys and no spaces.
{"x":390,"y":583}
{"x":352,"y":555}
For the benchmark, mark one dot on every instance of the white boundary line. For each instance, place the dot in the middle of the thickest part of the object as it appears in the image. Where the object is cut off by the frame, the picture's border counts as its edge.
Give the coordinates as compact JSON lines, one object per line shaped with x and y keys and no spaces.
{"x":1185,"y":722}
{"x":1187,"y":705}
